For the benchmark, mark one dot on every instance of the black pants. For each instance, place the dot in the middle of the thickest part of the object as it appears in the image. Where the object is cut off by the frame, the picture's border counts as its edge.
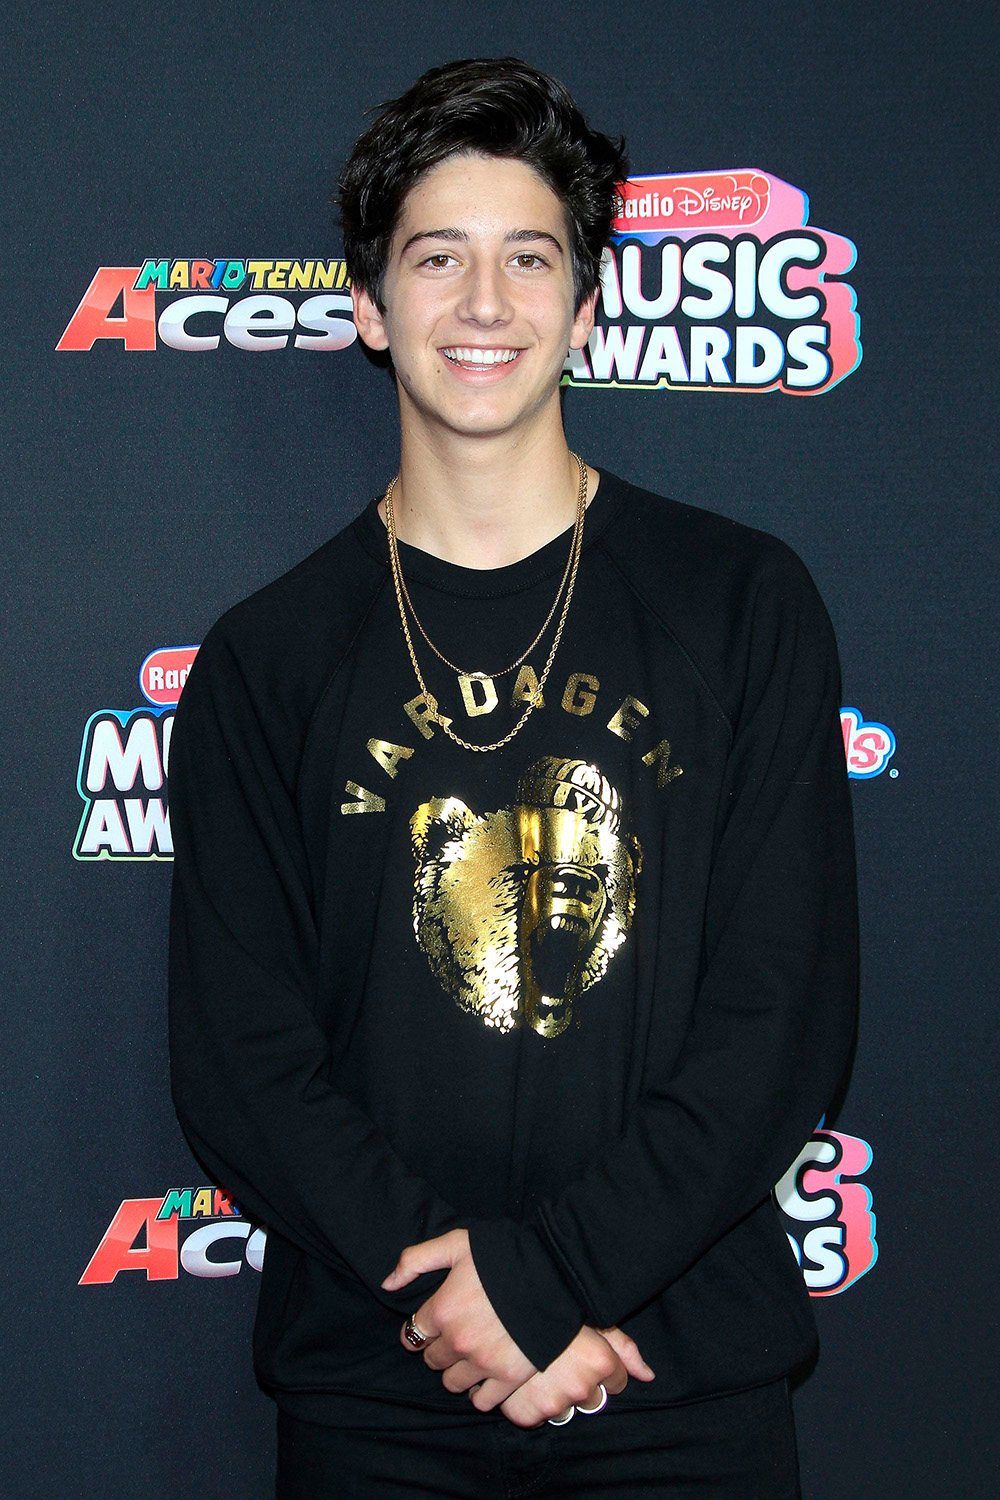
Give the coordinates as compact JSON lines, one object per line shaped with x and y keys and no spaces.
{"x":736,"y":1447}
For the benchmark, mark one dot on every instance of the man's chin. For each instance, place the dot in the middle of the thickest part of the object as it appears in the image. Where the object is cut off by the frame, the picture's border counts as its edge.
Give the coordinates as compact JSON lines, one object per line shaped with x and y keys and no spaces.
{"x":484,"y":412}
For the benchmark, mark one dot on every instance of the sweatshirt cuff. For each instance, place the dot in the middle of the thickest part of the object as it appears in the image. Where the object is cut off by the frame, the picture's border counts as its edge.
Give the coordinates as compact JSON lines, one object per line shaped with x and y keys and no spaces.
{"x":527,"y":1292}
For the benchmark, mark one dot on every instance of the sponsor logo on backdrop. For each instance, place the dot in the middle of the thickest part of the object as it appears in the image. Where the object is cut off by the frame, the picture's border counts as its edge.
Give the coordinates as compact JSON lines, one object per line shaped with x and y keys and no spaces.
{"x":717,"y":281}
{"x":124,"y":760}
{"x":201,"y":1231}
{"x":827,"y":1213}
{"x":197,"y":1230}
{"x":868,"y":745}
{"x":125,"y":756}
{"x":200,"y":305}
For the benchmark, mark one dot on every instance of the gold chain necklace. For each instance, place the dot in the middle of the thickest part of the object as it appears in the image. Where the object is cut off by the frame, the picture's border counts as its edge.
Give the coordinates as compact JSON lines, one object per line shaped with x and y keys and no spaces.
{"x":403,"y":594}
{"x":582,"y":496}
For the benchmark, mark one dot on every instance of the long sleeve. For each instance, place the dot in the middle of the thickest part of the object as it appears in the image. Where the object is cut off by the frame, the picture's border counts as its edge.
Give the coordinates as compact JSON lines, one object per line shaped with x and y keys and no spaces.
{"x":774,"y":1017}
{"x":249,"y":1063}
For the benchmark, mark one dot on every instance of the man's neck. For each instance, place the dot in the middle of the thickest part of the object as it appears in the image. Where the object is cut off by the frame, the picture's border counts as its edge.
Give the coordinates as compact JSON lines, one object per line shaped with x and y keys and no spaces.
{"x":485,"y":503}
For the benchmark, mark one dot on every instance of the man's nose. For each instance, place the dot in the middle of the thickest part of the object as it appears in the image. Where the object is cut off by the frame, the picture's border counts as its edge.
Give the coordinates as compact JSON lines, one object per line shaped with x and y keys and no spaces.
{"x":485,"y":298}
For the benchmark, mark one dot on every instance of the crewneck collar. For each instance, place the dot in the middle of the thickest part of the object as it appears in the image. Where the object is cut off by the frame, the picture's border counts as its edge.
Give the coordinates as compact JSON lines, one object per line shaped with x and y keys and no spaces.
{"x":490,"y":583}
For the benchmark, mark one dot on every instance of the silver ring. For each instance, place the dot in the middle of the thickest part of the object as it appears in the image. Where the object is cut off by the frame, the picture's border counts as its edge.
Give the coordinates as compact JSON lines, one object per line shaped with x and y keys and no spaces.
{"x":561,"y":1421}
{"x":413,"y":1336}
{"x":591,"y":1411}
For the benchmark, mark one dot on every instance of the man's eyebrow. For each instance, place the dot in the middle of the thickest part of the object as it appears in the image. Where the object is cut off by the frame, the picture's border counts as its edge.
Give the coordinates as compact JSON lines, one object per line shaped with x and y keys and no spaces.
{"x":519,"y":235}
{"x":434,"y":234}
{"x":513,"y":236}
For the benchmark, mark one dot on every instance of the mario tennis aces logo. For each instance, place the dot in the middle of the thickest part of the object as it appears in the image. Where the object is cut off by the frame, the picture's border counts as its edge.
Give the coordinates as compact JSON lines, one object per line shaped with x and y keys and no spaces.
{"x":715,"y":281}
{"x":256,"y":305}
{"x":197,"y":1230}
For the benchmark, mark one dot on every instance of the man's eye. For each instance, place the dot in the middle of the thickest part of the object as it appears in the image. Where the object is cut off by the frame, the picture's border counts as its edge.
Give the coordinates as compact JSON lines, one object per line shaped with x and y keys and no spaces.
{"x":527,"y":260}
{"x":438,"y":260}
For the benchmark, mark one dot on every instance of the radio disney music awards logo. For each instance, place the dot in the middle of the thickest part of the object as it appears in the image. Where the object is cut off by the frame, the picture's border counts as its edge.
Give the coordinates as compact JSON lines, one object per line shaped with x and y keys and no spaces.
{"x":827,"y":1213}
{"x":200,"y":1231}
{"x":124,"y":760}
{"x":869,"y":746}
{"x":198,"y":305}
{"x":717,"y":281}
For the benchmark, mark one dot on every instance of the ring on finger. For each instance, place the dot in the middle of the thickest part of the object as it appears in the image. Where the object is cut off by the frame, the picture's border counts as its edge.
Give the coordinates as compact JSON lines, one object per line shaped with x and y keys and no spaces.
{"x":591,"y":1411}
{"x":563,"y":1417}
{"x":413,"y":1335}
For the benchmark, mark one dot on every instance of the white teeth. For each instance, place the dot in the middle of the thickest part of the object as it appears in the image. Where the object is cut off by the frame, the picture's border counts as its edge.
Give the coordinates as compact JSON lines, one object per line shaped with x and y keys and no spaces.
{"x":474,"y":356}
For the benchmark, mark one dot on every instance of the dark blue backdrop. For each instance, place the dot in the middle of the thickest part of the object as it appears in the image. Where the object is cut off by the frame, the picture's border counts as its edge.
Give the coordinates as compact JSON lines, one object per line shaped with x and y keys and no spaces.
{"x":149,"y":490}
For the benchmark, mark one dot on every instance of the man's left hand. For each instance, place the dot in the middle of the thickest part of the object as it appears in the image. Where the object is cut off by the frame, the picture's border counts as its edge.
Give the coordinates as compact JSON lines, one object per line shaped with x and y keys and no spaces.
{"x":465,"y":1336}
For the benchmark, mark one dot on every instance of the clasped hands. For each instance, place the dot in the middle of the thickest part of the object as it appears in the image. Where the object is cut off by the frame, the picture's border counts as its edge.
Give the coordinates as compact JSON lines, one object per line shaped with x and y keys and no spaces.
{"x":474,"y":1352}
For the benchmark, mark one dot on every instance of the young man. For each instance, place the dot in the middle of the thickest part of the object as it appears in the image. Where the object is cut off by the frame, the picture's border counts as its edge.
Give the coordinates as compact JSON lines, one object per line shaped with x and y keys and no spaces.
{"x":513,"y":931}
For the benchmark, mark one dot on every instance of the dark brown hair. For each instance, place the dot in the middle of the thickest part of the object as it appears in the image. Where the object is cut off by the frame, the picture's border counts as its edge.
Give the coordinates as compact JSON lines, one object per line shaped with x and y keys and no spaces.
{"x":493,"y":106}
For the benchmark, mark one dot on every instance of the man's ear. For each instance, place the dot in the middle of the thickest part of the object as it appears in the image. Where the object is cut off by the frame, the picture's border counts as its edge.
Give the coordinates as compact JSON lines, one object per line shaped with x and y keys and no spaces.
{"x":368,"y":320}
{"x":583,"y":323}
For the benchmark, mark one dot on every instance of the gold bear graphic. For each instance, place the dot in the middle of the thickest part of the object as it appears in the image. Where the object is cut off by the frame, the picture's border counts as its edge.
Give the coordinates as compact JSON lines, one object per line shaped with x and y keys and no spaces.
{"x":521,"y":910}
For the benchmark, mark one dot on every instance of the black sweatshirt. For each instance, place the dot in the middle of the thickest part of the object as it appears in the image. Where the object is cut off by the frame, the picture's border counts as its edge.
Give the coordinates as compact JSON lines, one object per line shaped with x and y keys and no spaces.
{"x":587,"y":995}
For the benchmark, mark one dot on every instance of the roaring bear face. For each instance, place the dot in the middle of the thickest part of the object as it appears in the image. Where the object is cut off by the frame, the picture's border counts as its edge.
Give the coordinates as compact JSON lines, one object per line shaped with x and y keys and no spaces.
{"x":521,"y":910}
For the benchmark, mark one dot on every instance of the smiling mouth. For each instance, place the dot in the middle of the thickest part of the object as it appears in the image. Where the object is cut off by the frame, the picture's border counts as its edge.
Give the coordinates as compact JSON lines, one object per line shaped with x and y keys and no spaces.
{"x":472,"y":358}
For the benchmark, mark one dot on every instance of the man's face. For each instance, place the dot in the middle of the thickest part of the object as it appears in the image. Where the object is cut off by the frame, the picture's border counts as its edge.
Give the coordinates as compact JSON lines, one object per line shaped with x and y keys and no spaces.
{"x":479,"y":301}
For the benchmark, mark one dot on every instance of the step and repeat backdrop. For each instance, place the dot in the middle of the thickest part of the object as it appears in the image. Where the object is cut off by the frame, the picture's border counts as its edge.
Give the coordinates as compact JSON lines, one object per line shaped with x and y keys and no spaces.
{"x":796,"y":328}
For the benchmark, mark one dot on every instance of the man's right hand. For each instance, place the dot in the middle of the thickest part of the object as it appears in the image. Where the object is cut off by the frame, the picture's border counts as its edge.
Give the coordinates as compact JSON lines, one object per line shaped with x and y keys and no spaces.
{"x":606,"y":1357}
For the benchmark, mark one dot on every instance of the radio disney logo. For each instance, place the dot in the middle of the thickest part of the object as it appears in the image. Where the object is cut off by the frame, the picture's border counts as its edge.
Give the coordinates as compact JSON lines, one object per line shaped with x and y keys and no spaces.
{"x":828,"y":1219}
{"x":124,"y":760}
{"x":717,"y":281}
{"x":192,"y":305}
{"x":689,"y":201}
{"x":216,"y":1239}
{"x":868,"y":745}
